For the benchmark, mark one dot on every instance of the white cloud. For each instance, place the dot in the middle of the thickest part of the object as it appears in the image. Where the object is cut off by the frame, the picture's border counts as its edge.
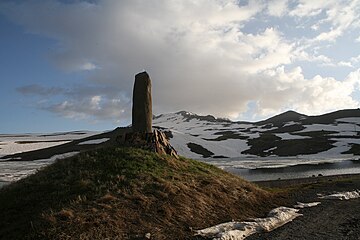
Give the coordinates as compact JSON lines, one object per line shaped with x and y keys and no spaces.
{"x":198,"y":55}
{"x":93,"y":108}
{"x":345,"y":64}
{"x":277,"y":8}
{"x":95,"y":102}
{"x":255,"y":53}
{"x":310,"y":96}
{"x":341,"y":15}
{"x":302,"y":55}
{"x":331,"y":36}
{"x":315,"y":27}
{"x":88,"y":66}
{"x":308,"y":8}
{"x":355,"y":59}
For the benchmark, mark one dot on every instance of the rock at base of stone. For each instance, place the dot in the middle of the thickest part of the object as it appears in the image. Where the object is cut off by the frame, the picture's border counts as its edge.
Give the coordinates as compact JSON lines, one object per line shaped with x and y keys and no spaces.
{"x":154,"y":142}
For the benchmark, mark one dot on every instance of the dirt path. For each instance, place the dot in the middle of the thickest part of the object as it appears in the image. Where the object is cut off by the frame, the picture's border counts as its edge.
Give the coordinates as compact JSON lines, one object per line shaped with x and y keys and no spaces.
{"x":333,"y":219}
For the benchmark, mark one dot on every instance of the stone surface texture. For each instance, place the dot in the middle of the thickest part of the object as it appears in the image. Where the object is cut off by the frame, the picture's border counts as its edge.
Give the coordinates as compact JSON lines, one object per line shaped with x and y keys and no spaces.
{"x":142,"y":104}
{"x":141,"y":134}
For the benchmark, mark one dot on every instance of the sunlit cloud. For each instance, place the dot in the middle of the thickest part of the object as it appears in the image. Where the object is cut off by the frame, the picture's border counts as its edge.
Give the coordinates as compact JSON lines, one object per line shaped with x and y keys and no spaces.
{"x":203,"y":56}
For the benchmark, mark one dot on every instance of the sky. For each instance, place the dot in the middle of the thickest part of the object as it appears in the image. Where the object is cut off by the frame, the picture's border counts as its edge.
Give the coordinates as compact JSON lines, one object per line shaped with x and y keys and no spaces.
{"x":70,"y":64}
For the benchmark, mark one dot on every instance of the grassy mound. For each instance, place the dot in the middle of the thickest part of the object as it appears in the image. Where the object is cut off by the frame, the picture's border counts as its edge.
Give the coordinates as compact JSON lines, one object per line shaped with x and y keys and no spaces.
{"x":124,"y":193}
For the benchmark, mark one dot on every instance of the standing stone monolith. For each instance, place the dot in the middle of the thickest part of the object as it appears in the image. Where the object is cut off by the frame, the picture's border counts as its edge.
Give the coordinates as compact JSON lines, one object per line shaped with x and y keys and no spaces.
{"x":142,"y":104}
{"x":141,"y":135}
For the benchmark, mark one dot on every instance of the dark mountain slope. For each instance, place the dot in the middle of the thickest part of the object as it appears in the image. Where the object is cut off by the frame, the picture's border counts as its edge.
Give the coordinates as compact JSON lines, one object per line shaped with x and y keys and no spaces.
{"x":330,"y":118}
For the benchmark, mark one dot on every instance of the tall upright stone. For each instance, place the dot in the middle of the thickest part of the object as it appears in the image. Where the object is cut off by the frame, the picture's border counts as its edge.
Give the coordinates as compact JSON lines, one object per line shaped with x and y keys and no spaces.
{"x":141,"y":134}
{"x":142,"y":104}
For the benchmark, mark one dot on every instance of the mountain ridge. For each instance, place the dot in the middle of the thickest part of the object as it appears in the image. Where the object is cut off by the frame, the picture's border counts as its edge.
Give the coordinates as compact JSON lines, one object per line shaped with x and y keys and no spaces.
{"x":289,"y":115}
{"x":334,"y":134}
{"x":283,"y":117}
{"x":286,"y":134}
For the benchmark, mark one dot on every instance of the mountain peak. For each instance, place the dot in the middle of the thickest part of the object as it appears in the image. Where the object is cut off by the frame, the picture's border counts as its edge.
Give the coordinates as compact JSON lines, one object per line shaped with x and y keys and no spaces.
{"x":287,"y":116}
{"x":209,"y":118}
{"x":186,"y":113}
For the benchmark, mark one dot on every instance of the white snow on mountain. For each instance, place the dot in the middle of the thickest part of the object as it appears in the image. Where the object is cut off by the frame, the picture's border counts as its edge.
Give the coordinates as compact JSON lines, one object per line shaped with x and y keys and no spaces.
{"x":354,"y":120}
{"x":205,"y":133}
{"x":337,"y":127}
{"x":291,"y":123}
{"x":229,"y":139}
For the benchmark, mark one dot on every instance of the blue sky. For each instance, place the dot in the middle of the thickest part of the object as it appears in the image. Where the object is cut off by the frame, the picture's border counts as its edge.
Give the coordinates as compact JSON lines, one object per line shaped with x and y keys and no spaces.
{"x":70,"y":65}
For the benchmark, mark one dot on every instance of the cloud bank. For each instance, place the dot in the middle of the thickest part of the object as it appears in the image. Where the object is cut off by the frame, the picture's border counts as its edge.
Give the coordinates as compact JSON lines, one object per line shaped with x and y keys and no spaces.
{"x":218,"y":57}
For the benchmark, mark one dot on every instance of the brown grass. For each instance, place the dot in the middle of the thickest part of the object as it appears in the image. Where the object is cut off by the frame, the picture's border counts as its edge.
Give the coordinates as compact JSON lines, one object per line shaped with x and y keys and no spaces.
{"x":105,"y":194}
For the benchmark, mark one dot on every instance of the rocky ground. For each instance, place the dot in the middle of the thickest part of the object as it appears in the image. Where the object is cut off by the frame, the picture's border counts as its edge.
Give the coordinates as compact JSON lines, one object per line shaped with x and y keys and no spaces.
{"x":332,"y":219}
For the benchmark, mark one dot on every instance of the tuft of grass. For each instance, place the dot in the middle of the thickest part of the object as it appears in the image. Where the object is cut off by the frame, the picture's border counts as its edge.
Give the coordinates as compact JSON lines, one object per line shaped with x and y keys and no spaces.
{"x":65,"y":214}
{"x":125,"y":193}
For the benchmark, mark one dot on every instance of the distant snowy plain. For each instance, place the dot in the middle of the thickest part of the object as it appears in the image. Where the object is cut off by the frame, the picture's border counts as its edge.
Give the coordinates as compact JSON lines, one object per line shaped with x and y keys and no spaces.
{"x":224,"y":141}
{"x":14,"y":169}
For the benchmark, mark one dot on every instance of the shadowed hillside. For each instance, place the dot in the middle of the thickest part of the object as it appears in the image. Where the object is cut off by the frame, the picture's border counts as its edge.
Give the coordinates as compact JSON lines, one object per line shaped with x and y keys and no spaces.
{"x":126,"y":193}
{"x":282,"y":118}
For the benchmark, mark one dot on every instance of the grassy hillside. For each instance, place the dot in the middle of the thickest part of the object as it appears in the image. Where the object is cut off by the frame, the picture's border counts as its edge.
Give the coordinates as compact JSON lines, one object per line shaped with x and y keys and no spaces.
{"x":124,"y":193}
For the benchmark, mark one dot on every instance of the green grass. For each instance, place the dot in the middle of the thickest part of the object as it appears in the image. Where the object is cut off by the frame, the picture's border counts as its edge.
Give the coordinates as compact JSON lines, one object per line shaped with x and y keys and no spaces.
{"x":113,"y":191}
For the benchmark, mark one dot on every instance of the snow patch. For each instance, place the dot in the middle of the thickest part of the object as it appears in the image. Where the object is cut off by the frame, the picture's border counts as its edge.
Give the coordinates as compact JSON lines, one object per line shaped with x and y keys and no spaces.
{"x":60,"y":156}
{"x":13,"y":147}
{"x":14,"y":171}
{"x":270,"y":149}
{"x":288,"y":136}
{"x":306,"y":205}
{"x":228,"y":148}
{"x":335,"y":152}
{"x":17,"y":143}
{"x":340,"y":127}
{"x":262,"y":129}
{"x":275,"y":162}
{"x":202,"y":132}
{"x":353,"y":120}
{"x":240,"y":230}
{"x":291,"y":123}
{"x":347,"y":140}
{"x":342,"y":195}
{"x":95,"y":141}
